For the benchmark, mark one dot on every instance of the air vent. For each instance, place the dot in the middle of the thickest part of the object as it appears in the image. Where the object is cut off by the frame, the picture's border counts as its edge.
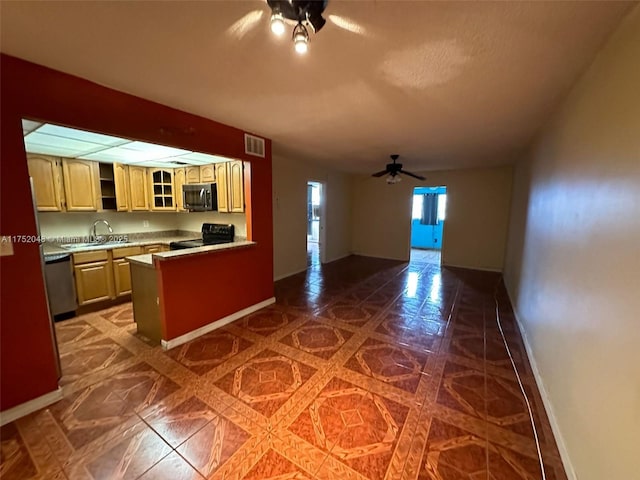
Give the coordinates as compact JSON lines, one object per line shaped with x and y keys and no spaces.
{"x":253,"y":145}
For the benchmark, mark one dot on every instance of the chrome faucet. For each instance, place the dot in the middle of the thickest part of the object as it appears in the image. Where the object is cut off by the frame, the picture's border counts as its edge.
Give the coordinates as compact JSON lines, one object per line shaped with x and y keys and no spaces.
{"x":94,"y":237}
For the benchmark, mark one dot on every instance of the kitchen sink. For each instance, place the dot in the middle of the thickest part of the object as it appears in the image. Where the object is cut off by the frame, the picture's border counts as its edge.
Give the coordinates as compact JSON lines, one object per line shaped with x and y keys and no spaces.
{"x":92,"y":245}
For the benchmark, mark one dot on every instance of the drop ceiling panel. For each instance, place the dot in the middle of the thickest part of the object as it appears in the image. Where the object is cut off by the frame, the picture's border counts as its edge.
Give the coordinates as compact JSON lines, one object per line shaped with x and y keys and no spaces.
{"x":72,"y":133}
{"x":73,"y":147}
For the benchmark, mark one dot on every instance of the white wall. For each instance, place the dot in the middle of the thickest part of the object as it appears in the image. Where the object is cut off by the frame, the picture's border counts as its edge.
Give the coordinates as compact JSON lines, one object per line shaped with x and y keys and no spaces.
{"x":290,"y":179}
{"x":573,"y":262}
{"x":475,"y":229}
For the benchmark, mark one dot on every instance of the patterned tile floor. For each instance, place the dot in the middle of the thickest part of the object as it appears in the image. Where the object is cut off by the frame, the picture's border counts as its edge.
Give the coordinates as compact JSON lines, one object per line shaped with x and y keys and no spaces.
{"x":363,"y":369}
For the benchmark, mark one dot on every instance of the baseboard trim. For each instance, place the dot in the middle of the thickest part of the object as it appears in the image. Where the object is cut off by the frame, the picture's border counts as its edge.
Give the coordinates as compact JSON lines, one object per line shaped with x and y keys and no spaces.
{"x":285,"y":275}
{"x":483,"y":269}
{"x":548,"y":406}
{"x":29,"y":407}
{"x":187,"y":337}
{"x":339,"y":257}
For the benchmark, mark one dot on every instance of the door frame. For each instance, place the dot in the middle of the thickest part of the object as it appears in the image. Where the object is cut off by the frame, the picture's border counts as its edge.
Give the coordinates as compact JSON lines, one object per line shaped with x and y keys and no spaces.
{"x":322,"y":235}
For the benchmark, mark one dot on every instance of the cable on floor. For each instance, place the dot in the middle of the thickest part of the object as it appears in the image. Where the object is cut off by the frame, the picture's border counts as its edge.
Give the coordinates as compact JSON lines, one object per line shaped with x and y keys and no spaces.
{"x":522,"y":389}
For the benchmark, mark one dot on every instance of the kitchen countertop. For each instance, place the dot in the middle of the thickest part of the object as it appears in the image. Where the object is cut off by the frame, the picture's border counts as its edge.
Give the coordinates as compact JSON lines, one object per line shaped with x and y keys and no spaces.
{"x":147,"y":258}
{"x":55,"y":248}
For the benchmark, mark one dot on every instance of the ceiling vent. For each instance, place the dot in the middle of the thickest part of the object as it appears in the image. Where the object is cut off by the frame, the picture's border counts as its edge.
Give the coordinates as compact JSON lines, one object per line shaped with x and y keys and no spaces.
{"x":253,"y":145}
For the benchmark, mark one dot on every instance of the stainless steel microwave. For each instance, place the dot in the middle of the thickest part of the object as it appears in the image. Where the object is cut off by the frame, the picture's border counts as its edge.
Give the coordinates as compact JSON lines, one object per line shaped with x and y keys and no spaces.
{"x":201,"y":197}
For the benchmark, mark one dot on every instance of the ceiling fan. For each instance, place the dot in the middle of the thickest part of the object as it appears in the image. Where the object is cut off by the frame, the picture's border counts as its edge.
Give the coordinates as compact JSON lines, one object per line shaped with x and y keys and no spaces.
{"x":301,"y":13}
{"x":394,"y":170}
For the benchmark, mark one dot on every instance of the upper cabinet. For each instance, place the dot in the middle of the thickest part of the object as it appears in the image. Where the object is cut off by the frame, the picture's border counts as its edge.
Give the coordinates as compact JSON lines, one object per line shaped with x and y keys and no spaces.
{"x":121,"y":179}
{"x":207,"y":174}
{"x":47,"y":182}
{"x":192,"y":174}
{"x":236,"y":186}
{"x":161,"y":183}
{"x":107,"y":187}
{"x":230,"y":182}
{"x":222,"y":187}
{"x":138,"y":191}
{"x":179,"y":179}
{"x":81,"y":187}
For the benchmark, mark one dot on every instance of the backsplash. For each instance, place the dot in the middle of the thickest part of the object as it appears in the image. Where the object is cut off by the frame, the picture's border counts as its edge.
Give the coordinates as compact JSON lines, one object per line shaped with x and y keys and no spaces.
{"x":59,"y":224}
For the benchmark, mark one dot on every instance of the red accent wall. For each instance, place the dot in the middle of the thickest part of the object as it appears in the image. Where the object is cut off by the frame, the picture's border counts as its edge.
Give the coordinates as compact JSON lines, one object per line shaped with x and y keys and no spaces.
{"x":189,"y":288}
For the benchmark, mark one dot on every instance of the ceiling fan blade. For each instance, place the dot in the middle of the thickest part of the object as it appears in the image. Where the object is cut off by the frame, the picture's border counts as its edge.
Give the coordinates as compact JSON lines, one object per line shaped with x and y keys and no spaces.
{"x":380,"y":174}
{"x":419,"y":177}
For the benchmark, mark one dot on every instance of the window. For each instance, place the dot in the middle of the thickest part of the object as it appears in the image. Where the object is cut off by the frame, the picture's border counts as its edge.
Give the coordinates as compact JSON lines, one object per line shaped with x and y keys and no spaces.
{"x":416,"y":212}
{"x":442,"y":206}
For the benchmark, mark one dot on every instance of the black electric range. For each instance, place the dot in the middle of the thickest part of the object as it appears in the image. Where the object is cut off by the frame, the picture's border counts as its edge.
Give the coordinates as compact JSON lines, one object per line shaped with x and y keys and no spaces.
{"x":212,"y":234}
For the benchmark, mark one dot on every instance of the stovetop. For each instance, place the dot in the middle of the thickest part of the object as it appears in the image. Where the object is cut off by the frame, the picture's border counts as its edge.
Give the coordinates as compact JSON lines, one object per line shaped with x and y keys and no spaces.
{"x":212,"y":234}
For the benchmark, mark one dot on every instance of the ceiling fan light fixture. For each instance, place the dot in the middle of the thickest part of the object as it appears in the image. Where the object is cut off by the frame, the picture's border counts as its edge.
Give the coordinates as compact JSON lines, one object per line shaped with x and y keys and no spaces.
{"x":301,"y":38}
{"x":277,"y":23}
{"x":391,"y":179}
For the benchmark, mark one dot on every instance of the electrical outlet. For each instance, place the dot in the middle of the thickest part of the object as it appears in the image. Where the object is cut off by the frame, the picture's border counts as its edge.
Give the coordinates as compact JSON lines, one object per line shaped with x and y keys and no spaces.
{"x":145,"y":223}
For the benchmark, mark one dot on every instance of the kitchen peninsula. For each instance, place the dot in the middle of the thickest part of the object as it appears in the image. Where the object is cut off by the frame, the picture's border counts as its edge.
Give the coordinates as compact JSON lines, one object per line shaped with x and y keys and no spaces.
{"x":161,"y":312}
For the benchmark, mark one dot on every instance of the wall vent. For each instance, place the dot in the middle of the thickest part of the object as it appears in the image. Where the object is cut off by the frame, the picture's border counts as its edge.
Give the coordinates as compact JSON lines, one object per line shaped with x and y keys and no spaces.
{"x":253,"y":145}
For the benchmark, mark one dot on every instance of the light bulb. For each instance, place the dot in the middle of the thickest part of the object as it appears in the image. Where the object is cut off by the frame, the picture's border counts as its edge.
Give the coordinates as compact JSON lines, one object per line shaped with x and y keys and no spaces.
{"x":277,"y":24}
{"x":300,"y":38}
{"x":301,"y":45}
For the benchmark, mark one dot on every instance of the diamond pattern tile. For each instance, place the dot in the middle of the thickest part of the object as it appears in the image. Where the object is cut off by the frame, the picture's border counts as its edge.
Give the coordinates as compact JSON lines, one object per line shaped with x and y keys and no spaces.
{"x":363,"y":369}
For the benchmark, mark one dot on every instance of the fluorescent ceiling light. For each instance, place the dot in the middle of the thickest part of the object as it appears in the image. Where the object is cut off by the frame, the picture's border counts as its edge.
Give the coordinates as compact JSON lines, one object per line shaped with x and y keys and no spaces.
{"x":82,"y":135}
{"x":49,"y":139}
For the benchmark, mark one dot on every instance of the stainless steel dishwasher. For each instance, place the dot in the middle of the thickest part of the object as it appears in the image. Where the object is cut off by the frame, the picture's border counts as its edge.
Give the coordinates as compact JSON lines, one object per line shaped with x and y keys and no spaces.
{"x":61,"y":288}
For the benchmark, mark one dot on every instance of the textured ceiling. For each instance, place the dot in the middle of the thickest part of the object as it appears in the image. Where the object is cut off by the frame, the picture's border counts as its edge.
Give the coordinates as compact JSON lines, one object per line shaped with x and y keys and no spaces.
{"x":444,"y":84}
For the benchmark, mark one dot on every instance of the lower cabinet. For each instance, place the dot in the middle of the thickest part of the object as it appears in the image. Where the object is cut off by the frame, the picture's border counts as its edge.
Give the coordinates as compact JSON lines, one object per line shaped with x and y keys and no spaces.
{"x":122,"y":269}
{"x":155,"y":248}
{"x":103,"y":274}
{"x":94,"y":277}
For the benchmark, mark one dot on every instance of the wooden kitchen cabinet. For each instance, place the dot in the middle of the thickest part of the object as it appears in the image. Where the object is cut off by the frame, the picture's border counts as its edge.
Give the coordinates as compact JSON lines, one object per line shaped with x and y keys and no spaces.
{"x":94,"y":276}
{"x":222,"y":186}
{"x":81,"y":185}
{"x":161,"y":189}
{"x":236,"y":186}
{"x":192,"y":175}
{"x":179,"y":179}
{"x":47,"y":182}
{"x":155,"y":248}
{"x":207,"y":173}
{"x":122,"y":269}
{"x":230,"y":182}
{"x":121,"y":179}
{"x":138,"y":191}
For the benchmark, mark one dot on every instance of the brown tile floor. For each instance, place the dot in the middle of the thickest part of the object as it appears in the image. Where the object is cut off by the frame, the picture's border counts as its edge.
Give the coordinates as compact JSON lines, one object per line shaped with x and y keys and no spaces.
{"x":363,"y":369}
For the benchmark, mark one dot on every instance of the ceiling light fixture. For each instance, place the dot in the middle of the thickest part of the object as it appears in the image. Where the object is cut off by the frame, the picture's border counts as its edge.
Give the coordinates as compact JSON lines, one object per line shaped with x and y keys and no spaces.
{"x":391,"y":179}
{"x":301,"y":38}
{"x":304,"y":13}
{"x":277,"y":23}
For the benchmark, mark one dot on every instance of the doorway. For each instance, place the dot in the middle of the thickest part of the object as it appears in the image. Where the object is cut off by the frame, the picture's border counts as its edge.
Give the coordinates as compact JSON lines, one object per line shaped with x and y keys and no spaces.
{"x":427,"y":224}
{"x":315,"y":223}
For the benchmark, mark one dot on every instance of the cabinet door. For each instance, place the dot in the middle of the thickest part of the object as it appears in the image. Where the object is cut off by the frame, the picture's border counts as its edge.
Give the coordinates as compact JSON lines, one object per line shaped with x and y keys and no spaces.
{"x":236,"y":186}
{"x":223,"y":186}
{"x":122,"y":277}
{"x":192,"y":174}
{"x":207,"y":174}
{"x":80,"y":181}
{"x":179,"y":179}
{"x":94,"y":282}
{"x":161,"y":185}
{"x":47,"y":183}
{"x":156,"y":248}
{"x":121,"y":179}
{"x":138,"y":197}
